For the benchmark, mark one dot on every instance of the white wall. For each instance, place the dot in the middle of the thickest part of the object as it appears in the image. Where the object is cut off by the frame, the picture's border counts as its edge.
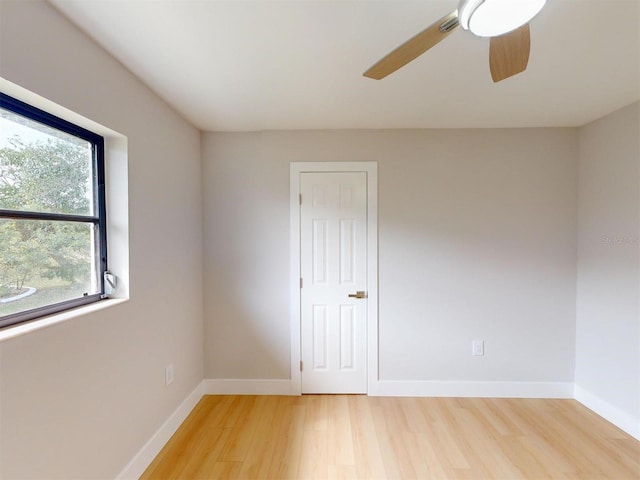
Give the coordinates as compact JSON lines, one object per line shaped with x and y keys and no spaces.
{"x":476,"y":241}
{"x":79,"y":399}
{"x":608,"y":314}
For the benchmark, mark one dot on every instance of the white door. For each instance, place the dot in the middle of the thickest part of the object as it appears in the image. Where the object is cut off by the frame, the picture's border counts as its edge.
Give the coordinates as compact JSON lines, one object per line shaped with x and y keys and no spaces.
{"x":333,"y":235}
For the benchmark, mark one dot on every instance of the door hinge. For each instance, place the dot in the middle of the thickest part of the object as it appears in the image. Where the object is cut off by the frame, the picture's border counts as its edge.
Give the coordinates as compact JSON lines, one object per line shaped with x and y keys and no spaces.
{"x":300,"y":282}
{"x":300,"y":198}
{"x":301,"y":365}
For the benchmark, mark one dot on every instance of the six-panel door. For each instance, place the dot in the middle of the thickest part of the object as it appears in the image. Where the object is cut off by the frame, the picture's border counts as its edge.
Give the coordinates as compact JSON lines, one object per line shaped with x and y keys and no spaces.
{"x":333,"y":217}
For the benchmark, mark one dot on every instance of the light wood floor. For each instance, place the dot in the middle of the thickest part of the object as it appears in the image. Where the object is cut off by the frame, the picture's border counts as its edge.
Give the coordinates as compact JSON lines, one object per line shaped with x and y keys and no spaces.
{"x":342,"y":436}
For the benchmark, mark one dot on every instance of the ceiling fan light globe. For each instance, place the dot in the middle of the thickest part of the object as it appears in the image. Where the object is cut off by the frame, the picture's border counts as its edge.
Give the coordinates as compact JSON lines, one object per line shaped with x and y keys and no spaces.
{"x":492,"y":18}
{"x":465,"y":10}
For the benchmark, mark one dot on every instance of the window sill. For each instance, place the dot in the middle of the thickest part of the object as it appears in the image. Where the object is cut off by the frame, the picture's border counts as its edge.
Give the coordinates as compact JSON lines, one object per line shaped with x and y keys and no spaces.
{"x":51,"y":320}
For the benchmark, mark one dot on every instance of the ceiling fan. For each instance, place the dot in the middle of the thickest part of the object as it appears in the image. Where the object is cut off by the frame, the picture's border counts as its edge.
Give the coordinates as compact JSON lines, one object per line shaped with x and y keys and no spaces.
{"x":506,"y":22}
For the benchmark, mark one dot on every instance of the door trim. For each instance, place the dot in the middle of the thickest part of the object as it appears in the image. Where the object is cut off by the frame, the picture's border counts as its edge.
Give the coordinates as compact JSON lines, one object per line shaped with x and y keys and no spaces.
{"x":371,"y":169}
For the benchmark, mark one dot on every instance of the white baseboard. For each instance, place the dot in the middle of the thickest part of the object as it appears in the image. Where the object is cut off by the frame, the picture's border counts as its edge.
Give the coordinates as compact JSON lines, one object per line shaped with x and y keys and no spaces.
{"x":247,"y":387}
{"x":148,"y":452}
{"x":622,"y":420}
{"x":393,"y":388}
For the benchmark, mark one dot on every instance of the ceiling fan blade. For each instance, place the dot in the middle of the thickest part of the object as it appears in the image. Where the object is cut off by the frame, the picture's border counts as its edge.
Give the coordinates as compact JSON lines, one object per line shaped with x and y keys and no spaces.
{"x":414,"y":47}
{"x":509,"y":53}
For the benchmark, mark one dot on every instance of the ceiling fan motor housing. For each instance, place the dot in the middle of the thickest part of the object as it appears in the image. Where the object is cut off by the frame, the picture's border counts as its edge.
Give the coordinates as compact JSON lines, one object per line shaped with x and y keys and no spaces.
{"x":492,"y":18}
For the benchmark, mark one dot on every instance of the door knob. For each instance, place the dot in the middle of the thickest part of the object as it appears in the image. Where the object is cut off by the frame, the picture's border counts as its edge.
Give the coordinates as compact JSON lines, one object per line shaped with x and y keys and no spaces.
{"x":358,"y":294}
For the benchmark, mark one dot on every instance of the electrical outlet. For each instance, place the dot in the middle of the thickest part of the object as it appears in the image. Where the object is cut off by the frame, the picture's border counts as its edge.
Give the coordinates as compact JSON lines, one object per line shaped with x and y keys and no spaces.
{"x":168,"y":375}
{"x":477,"y":347}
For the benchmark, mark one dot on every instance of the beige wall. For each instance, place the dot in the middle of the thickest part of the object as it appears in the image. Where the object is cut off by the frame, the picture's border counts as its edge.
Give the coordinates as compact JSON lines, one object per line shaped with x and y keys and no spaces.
{"x":608,"y":308}
{"x":79,"y":399}
{"x":476,"y":241}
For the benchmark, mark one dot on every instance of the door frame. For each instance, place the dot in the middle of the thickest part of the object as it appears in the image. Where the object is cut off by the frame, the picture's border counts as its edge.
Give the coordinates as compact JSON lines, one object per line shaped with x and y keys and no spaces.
{"x":371,"y":169}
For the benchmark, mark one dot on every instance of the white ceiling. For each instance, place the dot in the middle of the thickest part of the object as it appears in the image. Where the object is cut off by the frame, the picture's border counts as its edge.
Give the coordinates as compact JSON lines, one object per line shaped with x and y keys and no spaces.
{"x":254,"y":65}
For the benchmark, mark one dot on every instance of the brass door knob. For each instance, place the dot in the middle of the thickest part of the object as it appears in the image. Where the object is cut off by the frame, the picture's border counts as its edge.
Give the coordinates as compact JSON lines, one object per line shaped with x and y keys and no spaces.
{"x":358,"y":294}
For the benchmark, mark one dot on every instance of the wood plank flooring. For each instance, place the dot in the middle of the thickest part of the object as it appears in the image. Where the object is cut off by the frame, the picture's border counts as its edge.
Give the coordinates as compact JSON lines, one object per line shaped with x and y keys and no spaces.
{"x":360,"y":437}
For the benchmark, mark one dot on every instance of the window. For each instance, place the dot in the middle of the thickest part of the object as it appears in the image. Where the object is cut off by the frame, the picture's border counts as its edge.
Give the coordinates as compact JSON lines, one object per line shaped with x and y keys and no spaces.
{"x":52,"y":213}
